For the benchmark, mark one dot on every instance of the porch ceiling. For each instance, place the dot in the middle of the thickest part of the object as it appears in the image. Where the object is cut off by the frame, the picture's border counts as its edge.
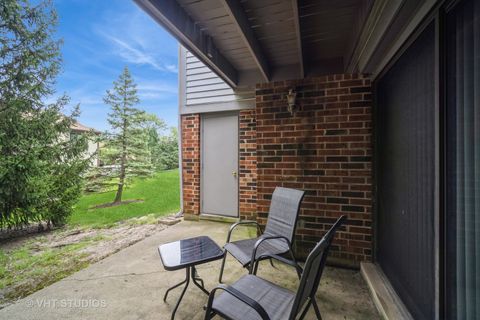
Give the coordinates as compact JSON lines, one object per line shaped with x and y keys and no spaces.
{"x":250,"y":41}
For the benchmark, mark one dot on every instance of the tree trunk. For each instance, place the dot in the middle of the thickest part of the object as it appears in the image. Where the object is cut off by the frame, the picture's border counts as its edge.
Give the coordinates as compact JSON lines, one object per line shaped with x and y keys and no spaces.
{"x":123,"y":161}
{"x":118,"y":195}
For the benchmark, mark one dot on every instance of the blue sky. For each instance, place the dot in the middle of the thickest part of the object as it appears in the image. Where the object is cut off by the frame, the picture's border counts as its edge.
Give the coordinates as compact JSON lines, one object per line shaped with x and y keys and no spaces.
{"x":100,"y":38}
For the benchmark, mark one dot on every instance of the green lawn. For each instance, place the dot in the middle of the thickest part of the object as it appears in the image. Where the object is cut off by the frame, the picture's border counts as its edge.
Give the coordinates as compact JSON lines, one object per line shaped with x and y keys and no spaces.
{"x":161,"y":195}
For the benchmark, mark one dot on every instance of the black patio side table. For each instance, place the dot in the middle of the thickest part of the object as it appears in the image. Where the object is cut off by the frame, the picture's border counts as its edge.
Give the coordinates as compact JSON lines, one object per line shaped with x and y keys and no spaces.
{"x":186,"y":254}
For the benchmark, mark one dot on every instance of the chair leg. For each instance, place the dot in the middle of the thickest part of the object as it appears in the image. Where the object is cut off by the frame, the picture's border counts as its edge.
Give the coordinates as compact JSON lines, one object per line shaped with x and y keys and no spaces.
{"x":222,"y":267}
{"x":208,"y":312}
{"x":317,"y":310}
{"x":305,"y":310}
{"x":255,"y":268}
{"x":209,"y":315}
{"x":271,"y":262}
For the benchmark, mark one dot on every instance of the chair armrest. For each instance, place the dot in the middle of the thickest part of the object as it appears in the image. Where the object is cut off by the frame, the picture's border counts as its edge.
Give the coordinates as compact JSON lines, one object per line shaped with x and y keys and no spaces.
{"x":240,"y":296}
{"x":259,"y":242}
{"x":244,"y":222}
{"x":292,"y":263}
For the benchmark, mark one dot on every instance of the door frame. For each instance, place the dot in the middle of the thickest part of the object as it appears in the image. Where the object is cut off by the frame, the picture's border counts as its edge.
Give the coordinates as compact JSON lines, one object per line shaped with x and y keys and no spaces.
{"x":202,"y":144}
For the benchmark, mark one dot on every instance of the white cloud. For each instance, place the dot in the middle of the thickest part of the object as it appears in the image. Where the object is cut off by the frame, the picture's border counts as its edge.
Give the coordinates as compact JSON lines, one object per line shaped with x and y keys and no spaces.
{"x":172,"y":68}
{"x":85,"y":96}
{"x":133,"y":55}
{"x":146,"y":85}
{"x":131,"y":38}
{"x":149,"y":90}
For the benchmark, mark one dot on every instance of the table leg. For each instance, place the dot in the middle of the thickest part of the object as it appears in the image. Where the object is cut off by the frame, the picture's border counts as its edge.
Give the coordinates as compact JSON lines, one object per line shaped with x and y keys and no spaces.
{"x":187,"y":281}
{"x":176,"y":286}
{"x":196,"y":278}
{"x":190,"y":272}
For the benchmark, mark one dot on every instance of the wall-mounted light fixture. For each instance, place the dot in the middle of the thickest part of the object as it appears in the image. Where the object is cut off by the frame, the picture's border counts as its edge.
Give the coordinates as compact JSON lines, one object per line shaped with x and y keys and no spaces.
{"x":291,"y":99}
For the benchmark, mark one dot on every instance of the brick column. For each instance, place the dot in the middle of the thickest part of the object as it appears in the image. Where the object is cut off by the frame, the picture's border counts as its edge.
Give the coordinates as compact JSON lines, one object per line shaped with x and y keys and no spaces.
{"x":247,"y":165}
{"x":191,"y":165}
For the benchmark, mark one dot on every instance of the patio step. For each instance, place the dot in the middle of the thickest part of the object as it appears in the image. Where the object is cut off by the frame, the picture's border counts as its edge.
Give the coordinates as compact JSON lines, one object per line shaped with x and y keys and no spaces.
{"x":388,"y":303}
{"x":211,"y":217}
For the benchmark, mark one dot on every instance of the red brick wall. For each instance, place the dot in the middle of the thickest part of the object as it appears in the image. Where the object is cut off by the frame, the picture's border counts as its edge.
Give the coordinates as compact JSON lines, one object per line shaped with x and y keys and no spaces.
{"x":191,"y":163}
{"x":325,"y":148}
{"x":247,"y":165}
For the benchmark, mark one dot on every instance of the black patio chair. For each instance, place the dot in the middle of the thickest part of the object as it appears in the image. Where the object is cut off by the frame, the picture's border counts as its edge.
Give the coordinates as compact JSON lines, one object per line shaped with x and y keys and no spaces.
{"x":279,"y":231}
{"x":253,"y":298}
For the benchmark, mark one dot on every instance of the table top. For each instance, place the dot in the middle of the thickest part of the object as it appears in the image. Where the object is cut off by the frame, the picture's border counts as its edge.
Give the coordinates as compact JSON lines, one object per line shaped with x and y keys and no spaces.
{"x":189,"y":252}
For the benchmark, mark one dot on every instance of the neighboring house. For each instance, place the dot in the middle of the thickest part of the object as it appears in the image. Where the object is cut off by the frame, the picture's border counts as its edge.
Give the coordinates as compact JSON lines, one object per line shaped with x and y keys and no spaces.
{"x":93,"y":146}
{"x":385,"y":129}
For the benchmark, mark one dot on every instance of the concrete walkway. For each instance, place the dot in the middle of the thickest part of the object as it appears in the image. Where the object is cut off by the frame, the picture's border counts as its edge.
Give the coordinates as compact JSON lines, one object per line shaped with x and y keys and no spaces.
{"x":130,"y":285}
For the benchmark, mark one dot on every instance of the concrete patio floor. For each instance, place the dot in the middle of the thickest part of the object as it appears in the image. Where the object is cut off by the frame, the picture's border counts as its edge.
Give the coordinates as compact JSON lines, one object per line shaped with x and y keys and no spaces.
{"x":130,"y":285}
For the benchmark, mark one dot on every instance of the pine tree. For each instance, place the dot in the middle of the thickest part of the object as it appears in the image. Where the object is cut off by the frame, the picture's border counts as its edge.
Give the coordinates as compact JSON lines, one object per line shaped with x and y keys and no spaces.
{"x":40,"y":170}
{"x":127,"y":145}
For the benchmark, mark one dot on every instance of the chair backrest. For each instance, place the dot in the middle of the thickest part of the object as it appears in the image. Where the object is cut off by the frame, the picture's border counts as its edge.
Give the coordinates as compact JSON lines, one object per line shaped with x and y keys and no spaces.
{"x":313,"y":269}
{"x":283,"y":213}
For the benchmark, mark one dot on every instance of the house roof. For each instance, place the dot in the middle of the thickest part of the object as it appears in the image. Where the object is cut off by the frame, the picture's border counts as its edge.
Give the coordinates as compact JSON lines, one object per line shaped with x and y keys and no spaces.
{"x":77,"y":126}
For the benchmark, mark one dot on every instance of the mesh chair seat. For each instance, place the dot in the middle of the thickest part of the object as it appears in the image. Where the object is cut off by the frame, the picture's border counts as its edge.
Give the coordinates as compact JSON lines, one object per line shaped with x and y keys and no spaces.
{"x":242,"y":249}
{"x":276,"y":301}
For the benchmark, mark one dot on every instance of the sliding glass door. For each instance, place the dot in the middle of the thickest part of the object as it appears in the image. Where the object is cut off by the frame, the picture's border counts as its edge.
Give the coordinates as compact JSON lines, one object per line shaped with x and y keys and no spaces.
{"x":405,"y":174}
{"x":463,"y":161}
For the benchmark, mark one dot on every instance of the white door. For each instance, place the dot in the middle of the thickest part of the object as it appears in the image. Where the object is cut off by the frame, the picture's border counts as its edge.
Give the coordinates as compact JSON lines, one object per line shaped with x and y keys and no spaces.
{"x":219,"y":153}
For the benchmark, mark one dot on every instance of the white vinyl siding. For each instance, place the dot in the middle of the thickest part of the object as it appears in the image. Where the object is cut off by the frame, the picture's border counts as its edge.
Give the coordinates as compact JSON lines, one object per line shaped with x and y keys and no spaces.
{"x":202,"y":91}
{"x":203,"y":86}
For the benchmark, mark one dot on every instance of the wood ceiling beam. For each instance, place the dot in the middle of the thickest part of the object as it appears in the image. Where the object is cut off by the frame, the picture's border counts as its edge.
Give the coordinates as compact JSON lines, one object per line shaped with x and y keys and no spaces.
{"x":176,"y":20}
{"x":296,"y":22}
{"x":240,"y":20}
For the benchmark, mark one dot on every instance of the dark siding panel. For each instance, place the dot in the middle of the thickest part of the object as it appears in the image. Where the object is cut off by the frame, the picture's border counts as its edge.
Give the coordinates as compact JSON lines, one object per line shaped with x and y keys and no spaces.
{"x":405,"y":175}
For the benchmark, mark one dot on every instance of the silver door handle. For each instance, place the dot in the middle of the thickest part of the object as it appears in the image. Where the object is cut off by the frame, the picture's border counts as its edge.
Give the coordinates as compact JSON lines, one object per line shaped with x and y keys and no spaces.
{"x":234,"y":173}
